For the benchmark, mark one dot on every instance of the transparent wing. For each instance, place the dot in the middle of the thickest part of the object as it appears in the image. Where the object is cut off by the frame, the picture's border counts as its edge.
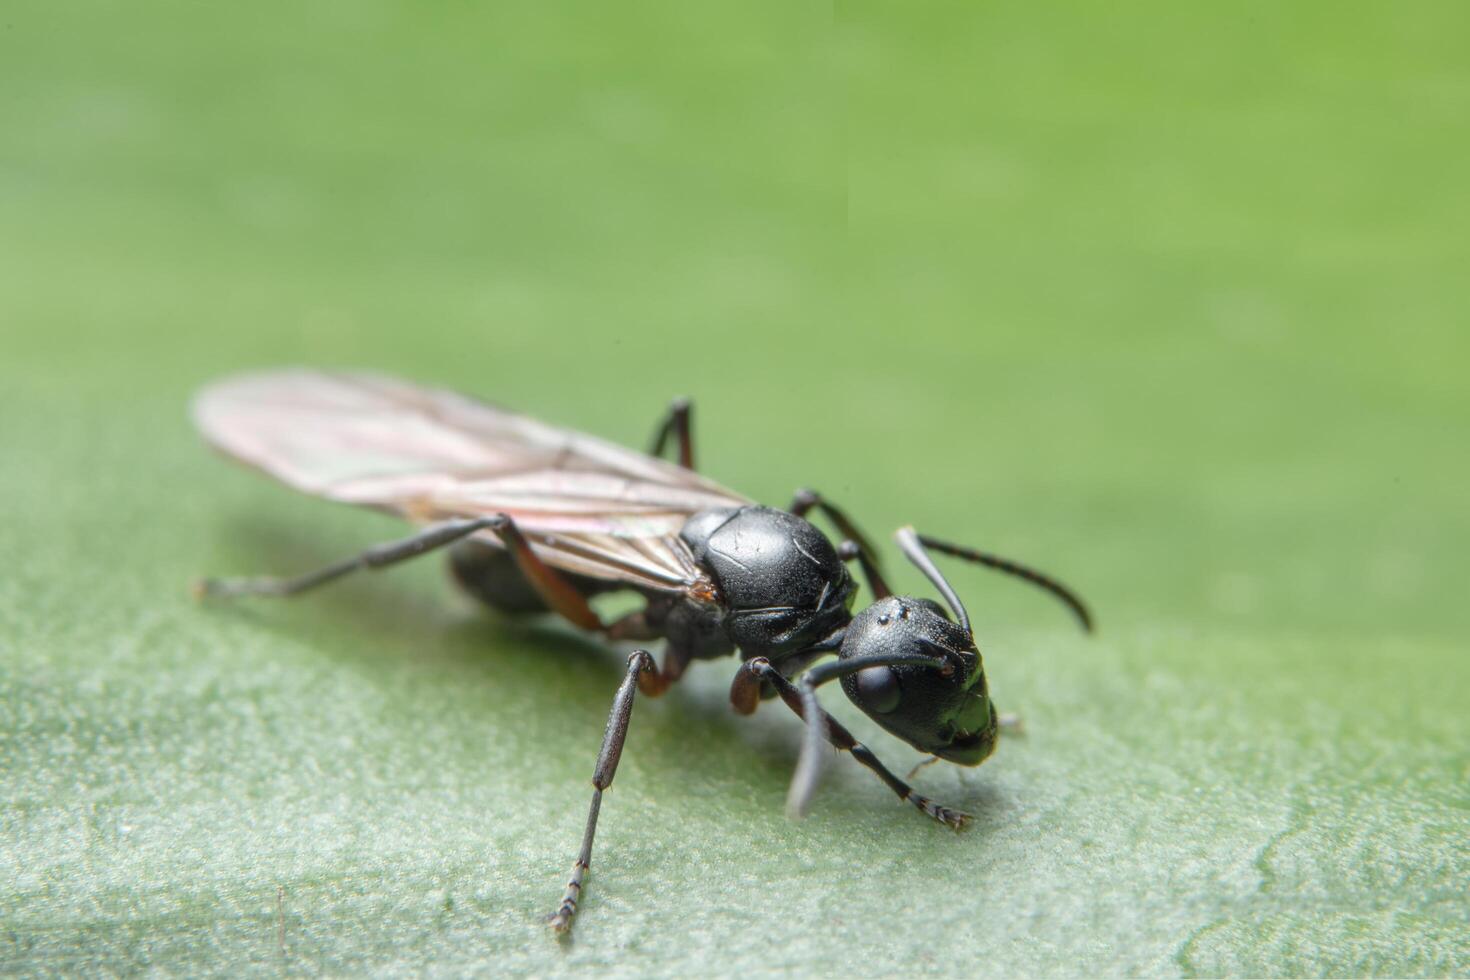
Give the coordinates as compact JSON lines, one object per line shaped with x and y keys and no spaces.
{"x":587,"y":506}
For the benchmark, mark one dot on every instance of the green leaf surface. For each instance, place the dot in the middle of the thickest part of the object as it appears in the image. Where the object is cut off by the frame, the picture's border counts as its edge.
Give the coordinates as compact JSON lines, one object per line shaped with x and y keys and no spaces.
{"x":1166,"y":299}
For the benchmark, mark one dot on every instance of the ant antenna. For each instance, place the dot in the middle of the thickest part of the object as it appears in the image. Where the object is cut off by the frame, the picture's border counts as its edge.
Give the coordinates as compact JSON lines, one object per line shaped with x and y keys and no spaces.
{"x":913,"y":545}
{"x":819,"y":726}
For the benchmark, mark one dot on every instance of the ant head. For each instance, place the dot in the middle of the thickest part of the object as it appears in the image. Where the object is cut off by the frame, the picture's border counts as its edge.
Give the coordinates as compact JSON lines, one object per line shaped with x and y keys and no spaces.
{"x":912,"y":668}
{"x":931,"y":693}
{"x":916,"y":671}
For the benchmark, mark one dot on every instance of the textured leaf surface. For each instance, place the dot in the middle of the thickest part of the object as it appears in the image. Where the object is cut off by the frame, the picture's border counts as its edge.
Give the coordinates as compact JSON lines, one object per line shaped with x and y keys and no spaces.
{"x":1171,"y":302}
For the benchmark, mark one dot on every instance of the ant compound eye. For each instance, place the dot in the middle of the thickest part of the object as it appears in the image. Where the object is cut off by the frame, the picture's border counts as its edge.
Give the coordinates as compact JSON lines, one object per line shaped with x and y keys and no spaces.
{"x":879,"y":689}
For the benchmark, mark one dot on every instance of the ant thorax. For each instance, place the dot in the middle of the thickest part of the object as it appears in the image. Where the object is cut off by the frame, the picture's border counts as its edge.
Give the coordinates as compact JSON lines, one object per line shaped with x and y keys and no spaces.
{"x":783,"y":586}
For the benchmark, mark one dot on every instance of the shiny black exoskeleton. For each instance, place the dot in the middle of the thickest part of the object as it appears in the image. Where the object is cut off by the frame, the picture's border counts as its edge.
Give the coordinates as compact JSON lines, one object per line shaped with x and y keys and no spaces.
{"x":762,"y":581}
{"x":785,"y":597}
{"x":949,"y":716}
{"x":783,"y":587}
{"x":785,"y":591}
{"x":782,"y":595}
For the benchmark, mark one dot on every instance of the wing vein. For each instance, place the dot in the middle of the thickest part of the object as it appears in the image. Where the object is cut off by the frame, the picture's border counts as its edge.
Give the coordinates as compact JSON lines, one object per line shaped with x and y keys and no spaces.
{"x":588,"y":506}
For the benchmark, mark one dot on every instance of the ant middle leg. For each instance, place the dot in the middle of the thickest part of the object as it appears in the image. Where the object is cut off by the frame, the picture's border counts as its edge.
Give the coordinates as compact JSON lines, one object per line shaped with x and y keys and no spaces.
{"x":639,"y":662}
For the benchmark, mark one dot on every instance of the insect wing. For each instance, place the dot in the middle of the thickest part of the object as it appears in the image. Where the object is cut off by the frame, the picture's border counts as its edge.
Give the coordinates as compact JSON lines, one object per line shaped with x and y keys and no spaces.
{"x":587,"y":506}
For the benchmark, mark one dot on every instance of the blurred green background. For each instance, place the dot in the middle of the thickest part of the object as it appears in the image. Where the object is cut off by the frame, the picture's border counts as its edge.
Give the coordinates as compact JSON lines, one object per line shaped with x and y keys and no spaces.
{"x":1167,"y":299}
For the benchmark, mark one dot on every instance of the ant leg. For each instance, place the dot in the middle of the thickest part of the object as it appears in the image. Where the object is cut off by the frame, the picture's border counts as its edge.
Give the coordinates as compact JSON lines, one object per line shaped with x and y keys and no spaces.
{"x":432,"y":537}
{"x":613,"y":737}
{"x":559,"y":594}
{"x":747,"y":691}
{"x":676,"y":422}
{"x":865,"y":553}
{"x":850,"y":549}
{"x":676,"y":661}
{"x":922,"y":764}
{"x":555,"y":590}
{"x":760,"y":669}
{"x":635,"y":626}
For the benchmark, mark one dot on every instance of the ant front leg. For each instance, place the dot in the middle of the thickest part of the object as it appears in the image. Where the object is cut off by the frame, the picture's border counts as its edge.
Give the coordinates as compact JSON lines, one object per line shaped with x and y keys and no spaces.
{"x":744,"y":693}
{"x":676,"y":423}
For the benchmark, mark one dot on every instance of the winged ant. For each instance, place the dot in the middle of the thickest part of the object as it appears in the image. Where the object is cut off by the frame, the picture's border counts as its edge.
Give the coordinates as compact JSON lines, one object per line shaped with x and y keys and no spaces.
{"x":539,"y":518}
